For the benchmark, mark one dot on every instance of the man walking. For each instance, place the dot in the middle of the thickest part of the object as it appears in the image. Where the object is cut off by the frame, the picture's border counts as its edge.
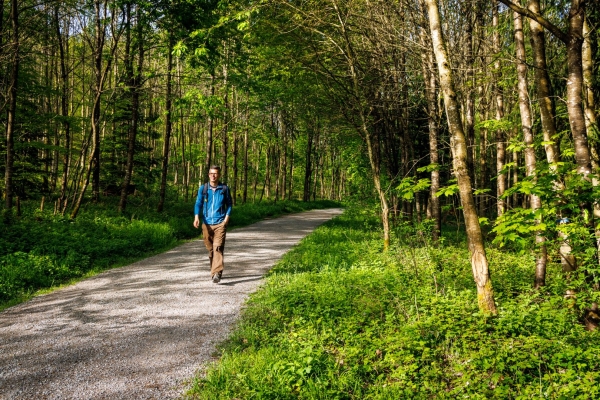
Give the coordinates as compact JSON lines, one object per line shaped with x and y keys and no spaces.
{"x":214,"y":201}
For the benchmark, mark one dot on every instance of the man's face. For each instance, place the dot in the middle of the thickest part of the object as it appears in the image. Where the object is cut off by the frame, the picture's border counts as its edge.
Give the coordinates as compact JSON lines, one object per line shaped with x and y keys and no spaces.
{"x":213,"y":177}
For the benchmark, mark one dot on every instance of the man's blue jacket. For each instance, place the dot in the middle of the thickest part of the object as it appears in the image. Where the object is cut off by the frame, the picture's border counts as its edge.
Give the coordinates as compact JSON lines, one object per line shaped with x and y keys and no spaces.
{"x":215,"y":206}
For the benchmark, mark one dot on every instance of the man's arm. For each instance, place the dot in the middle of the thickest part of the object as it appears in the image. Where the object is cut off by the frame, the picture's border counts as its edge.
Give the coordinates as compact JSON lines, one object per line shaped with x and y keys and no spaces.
{"x":229,"y":204}
{"x":198,"y":207}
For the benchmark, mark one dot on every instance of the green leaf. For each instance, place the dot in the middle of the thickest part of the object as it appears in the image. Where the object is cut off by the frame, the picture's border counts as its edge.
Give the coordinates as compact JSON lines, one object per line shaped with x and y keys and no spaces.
{"x":429,"y":168}
{"x":447,"y":191}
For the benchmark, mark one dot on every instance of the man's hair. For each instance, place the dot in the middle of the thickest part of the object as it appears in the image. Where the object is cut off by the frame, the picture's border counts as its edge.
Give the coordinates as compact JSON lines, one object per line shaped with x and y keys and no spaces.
{"x":215,"y":167}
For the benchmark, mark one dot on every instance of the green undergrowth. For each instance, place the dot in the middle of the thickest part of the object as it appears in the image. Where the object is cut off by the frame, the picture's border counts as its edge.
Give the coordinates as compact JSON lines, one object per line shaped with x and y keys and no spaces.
{"x":40,"y":250}
{"x":337,"y":319}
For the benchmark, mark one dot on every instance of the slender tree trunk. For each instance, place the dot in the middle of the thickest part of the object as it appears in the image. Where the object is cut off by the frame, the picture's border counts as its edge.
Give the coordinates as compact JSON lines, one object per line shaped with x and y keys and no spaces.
{"x":267,"y":175}
{"x":530,"y":162}
{"x":64,"y":93}
{"x":134,"y":83}
{"x":432,"y":117}
{"x":543,"y":86}
{"x":245,"y":195}
{"x":479,"y":260}
{"x":234,"y":187}
{"x":500,"y":135}
{"x":574,"y":87}
{"x":168,"y":124}
{"x":291,"y":180}
{"x":98,"y":52}
{"x":256,"y":169}
{"x":225,"y":137}
{"x":284,"y":161}
{"x":209,"y":134}
{"x":470,"y":101}
{"x":590,"y":119}
{"x":308,"y":165}
{"x":12,"y":105}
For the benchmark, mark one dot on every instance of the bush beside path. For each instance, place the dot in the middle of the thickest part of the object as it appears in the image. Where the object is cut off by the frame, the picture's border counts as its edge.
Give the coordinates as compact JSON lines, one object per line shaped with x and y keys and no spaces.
{"x":141,"y":330}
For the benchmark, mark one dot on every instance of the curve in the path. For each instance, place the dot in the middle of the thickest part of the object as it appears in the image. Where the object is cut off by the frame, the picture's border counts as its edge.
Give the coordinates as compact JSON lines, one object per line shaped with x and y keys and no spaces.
{"x":140,"y":331}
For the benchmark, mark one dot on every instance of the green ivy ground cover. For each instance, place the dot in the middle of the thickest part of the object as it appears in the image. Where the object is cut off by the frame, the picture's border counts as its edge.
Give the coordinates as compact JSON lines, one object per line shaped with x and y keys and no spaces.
{"x":337,"y":319}
{"x":40,"y":250}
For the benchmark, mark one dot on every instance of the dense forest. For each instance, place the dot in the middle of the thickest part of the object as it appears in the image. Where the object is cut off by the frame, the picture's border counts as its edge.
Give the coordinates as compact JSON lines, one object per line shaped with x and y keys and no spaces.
{"x":445,"y":116}
{"x":479,"y":111}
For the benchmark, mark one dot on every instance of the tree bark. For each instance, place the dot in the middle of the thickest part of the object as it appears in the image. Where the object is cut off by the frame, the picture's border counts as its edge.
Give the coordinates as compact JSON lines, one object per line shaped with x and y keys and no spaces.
{"x":590,"y":118}
{"x":98,"y":86}
{"x":479,"y":262}
{"x":543,"y":87}
{"x":245,"y":193}
{"x":12,"y":105}
{"x":134,"y":83}
{"x":64,"y":93}
{"x":432,"y":118}
{"x":574,"y":42}
{"x":225,"y":137}
{"x":530,"y":161}
{"x":470,"y":84}
{"x":308,"y":164}
{"x":500,"y":135}
{"x":574,"y":87}
{"x":168,"y":124}
{"x":234,"y":186}
{"x":209,"y":133}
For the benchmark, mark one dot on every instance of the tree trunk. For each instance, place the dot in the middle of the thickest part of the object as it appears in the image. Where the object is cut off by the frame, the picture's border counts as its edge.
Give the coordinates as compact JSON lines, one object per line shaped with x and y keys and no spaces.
{"x":291,"y":180}
{"x":543,"y":87}
{"x":234,"y":186}
{"x":479,"y":260}
{"x":12,"y":106}
{"x":168,"y":125}
{"x":470,"y":85}
{"x":98,"y":85}
{"x":574,"y":87}
{"x":530,"y":162}
{"x":308,"y":165}
{"x":500,"y":135}
{"x":432,"y":118}
{"x":590,"y":119}
{"x":134,"y":83}
{"x":209,"y":134}
{"x":225,"y":137}
{"x":245,"y":195}
{"x":64,"y":93}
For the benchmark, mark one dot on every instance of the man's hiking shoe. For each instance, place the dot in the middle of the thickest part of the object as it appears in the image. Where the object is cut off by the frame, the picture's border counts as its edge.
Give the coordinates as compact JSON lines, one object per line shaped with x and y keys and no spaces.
{"x":216,"y":278}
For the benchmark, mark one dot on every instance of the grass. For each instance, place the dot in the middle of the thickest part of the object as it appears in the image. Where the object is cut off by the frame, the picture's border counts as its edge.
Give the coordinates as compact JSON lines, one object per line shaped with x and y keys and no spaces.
{"x":338,"y":319}
{"x":40,"y":251}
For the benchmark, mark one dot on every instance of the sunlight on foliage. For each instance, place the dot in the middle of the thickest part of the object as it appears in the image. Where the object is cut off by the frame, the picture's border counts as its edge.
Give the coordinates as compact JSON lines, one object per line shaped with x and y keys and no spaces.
{"x":339,"y":319}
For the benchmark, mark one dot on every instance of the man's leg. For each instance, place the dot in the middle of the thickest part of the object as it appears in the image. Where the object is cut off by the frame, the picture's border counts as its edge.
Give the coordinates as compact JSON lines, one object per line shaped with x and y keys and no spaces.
{"x":208,"y":235}
{"x":218,"y":247}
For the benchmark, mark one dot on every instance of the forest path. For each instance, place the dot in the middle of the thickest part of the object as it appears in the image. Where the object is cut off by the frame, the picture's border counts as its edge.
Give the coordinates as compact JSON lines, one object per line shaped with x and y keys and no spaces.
{"x":139,"y":332}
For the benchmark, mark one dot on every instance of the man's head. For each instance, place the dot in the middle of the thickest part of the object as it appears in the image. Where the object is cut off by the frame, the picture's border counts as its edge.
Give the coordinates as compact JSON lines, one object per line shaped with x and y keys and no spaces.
{"x":213,"y":175}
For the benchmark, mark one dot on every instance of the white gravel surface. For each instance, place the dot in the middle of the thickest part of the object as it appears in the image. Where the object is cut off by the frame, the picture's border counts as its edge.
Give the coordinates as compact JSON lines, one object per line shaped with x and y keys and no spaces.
{"x":141,"y":331}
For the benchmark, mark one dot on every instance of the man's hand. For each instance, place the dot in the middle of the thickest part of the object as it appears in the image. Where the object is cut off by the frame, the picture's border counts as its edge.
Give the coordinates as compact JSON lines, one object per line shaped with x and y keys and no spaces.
{"x":196,"y":222}
{"x":226,"y":220}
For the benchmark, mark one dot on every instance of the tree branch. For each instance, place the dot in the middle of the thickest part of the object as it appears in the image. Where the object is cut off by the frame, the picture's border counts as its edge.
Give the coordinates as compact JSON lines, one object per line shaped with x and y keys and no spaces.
{"x":563,"y":37}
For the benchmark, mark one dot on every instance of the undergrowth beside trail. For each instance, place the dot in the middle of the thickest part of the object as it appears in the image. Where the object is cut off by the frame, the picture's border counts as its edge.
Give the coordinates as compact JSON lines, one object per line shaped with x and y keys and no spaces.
{"x":40,"y":250}
{"x":337,"y":319}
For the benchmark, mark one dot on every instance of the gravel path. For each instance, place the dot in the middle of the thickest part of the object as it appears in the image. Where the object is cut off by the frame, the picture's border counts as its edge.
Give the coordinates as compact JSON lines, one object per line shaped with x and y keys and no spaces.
{"x":141,"y":331}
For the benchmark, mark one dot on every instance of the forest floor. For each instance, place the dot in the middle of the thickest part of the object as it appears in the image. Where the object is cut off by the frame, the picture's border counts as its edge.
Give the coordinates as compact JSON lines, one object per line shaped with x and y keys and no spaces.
{"x":140,"y":331}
